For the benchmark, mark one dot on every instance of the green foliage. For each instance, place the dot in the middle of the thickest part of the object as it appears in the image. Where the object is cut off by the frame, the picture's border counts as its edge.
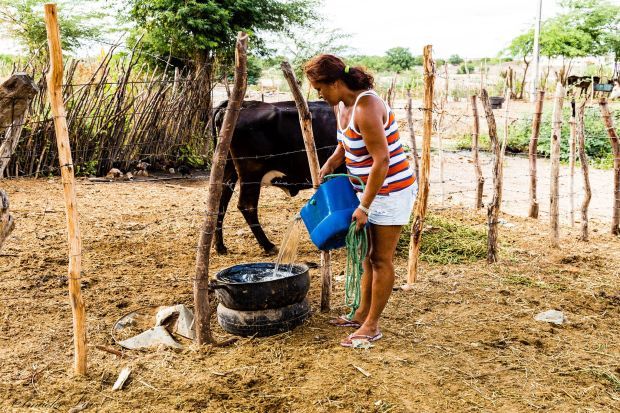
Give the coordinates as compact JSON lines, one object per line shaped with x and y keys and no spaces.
{"x":87,"y":168}
{"x":455,"y":60}
{"x":302,"y":45}
{"x":255,"y":69}
{"x":446,"y":241}
{"x":598,"y":147}
{"x":375,"y":64}
{"x":521,"y":46}
{"x":464,"y":68}
{"x":585,"y":28}
{"x":187,"y":155}
{"x":399,"y":59}
{"x":198,"y":29}
{"x":22,"y":21}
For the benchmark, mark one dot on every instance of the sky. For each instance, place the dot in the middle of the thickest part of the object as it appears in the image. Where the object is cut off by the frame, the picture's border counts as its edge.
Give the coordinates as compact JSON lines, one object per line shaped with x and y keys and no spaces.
{"x":469,"y":28}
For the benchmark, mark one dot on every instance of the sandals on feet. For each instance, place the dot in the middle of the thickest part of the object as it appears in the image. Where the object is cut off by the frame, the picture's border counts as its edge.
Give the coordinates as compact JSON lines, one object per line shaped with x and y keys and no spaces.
{"x":344,"y":321}
{"x":348,"y":342}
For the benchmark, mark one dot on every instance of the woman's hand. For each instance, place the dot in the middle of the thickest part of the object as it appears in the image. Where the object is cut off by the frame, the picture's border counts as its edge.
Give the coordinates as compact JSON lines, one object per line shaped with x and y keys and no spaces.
{"x":360,"y":218}
{"x":325,"y":170}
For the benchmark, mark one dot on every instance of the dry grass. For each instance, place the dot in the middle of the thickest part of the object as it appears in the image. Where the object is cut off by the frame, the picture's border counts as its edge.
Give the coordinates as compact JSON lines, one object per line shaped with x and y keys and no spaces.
{"x":463,"y":340}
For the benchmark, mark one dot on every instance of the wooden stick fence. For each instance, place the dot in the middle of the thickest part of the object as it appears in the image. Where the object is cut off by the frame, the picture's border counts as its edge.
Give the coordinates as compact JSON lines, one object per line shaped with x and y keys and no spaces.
{"x":412,"y":140}
{"x":202,"y":312}
{"x":583,"y":159}
{"x":571,"y":161}
{"x":556,"y":138}
{"x":68,"y":182}
{"x":533,"y":148}
{"x":424,"y":178}
{"x":475,"y":154}
{"x":494,"y":207}
{"x":305,"y":121}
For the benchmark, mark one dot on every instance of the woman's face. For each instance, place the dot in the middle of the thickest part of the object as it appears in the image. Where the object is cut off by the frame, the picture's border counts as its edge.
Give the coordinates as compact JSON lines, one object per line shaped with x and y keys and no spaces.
{"x":327,"y":91}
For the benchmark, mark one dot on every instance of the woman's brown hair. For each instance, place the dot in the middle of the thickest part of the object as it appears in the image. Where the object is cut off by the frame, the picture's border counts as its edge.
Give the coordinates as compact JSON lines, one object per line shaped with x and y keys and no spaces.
{"x":327,"y":68}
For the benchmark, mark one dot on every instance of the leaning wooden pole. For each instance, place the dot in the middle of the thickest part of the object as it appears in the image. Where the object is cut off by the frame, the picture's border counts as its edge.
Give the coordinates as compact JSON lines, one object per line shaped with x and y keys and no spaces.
{"x":54,"y":86}
{"x":424,"y":178}
{"x":583,"y":159}
{"x":414,"y":149}
{"x":475,"y":152}
{"x":533,"y":149}
{"x":571,"y":161}
{"x":305,"y":120}
{"x":556,"y":139}
{"x":615,"y":146}
{"x":202,"y":312}
{"x":494,"y":207}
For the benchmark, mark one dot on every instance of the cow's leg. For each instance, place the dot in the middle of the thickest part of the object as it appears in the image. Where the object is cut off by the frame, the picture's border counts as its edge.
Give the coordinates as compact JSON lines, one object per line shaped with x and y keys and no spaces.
{"x":248,"y":205}
{"x":229,"y":181}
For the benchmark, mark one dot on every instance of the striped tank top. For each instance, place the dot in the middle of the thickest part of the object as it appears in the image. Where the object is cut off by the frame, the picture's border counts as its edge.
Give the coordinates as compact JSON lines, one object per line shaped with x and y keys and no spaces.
{"x":358,"y":160}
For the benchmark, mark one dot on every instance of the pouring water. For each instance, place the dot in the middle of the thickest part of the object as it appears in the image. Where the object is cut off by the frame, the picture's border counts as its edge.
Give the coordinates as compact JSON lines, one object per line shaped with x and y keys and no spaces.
{"x":289,"y":246}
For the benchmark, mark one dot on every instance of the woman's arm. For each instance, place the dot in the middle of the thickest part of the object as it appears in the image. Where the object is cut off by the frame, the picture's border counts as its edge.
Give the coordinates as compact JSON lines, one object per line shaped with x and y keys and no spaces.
{"x":334,"y":161}
{"x":369,"y":114}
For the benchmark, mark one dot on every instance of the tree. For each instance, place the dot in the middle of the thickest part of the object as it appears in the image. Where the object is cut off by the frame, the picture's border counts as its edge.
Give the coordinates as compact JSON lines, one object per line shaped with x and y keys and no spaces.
{"x":455,"y":60}
{"x":373,"y":63}
{"x":302,"y":45}
{"x":522,"y":47}
{"x":22,"y":21}
{"x":198,"y":31}
{"x":585,"y":28}
{"x":399,"y":59}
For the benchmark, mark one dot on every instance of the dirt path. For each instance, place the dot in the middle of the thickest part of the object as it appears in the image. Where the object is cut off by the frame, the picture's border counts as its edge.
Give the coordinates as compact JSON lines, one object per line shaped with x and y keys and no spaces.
{"x":460,"y":186}
{"x":464,"y":340}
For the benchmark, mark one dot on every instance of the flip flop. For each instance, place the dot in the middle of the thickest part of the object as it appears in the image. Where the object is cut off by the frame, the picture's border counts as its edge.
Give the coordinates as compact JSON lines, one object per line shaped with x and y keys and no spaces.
{"x":348,"y":342}
{"x":344,"y":321}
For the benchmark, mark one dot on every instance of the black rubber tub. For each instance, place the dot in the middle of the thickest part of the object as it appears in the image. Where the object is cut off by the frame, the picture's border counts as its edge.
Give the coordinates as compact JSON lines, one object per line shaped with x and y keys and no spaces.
{"x":496,"y":102}
{"x":253,"y":286}
{"x":263,"y":323}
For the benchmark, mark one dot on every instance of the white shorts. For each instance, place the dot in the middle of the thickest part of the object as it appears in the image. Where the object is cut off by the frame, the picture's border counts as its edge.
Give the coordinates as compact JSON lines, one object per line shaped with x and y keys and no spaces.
{"x":394,"y":208}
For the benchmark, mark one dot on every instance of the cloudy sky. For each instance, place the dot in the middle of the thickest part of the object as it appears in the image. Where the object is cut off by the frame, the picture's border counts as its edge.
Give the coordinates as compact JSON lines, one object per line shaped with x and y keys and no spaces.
{"x":472,"y":28}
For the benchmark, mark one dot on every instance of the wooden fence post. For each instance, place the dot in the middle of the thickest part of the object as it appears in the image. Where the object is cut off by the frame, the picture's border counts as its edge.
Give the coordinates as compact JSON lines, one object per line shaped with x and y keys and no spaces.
{"x":571,"y":161}
{"x":494,"y":207}
{"x":615,"y":145}
{"x":414,"y":148}
{"x":533,"y":149}
{"x":475,"y":154}
{"x":583,"y":158}
{"x":442,"y":115}
{"x":7,"y":223}
{"x":423,"y":180}
{"x":202,"y":312}
{"x":305,"y":120}
{"x":556,"y":138}
{"x":54,"y":84}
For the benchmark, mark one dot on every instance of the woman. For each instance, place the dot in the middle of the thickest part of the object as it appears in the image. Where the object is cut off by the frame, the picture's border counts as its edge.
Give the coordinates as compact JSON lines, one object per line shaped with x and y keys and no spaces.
{"x":368,"y":141}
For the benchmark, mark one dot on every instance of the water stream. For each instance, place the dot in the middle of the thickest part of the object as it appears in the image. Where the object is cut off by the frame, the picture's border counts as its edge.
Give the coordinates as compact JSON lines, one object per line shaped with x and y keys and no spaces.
{"x":289,"y":246}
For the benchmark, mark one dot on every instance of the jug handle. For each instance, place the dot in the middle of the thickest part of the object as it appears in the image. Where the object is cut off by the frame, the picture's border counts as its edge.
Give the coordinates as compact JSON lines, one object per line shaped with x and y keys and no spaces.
{"x":326,"y":177}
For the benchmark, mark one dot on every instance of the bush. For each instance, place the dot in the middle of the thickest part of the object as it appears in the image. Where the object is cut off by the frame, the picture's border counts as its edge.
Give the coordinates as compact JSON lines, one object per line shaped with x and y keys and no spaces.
{"x":598,"y":147}
{"x":446,"y":241}
{"x":463,"y":66}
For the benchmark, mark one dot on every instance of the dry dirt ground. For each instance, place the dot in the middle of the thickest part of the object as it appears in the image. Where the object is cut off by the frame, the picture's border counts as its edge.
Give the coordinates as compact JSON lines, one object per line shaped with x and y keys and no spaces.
{"x":464,"y":339}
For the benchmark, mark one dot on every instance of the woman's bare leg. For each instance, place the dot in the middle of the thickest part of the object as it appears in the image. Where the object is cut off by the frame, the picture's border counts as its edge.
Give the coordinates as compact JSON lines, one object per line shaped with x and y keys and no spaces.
{"x":383,"y":239}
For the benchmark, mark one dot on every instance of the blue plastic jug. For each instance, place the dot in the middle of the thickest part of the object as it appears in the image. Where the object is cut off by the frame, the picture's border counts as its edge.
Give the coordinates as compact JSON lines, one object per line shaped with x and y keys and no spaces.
{"x":327,"y":215}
